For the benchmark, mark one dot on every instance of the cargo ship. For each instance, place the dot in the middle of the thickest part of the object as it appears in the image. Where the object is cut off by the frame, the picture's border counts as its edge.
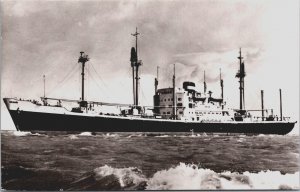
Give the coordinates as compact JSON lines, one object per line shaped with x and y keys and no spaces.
{"x":175,"y":109}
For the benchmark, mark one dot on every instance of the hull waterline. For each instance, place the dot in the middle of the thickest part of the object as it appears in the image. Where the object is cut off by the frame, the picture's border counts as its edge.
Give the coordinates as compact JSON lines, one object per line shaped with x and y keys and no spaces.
{"x":37,"y":121}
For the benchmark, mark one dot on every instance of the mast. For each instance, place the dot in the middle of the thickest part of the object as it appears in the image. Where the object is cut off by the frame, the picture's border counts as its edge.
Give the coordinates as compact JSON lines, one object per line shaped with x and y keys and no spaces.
{"x":241,"y":75}
{"x":243,"y":68}
{"x":156,"y":79}
{"x":44,"y":79}
{"x":221,"y":83}
{"x":174,"y":95}
{"x":204,"y":83}
{"x":82,"y":59}
{"x":262,"y":105}
{"x":133,"y":61}
{"x":136,"y":64}
{"x":280,"y":104}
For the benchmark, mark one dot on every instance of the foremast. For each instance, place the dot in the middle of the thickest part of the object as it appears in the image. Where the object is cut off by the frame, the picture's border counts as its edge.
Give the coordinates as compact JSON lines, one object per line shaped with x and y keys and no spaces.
{"x":82,"y":59}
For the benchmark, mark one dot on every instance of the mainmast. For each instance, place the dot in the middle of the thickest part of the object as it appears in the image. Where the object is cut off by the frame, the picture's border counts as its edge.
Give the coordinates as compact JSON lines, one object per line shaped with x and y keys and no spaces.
{"x":133,"y":60}
{"x":156,"y":80}
{"x":204,"y":83}
{"x":44,"y":80}
{"x":221,"y":83}
{"x":241,"y":75}
{"x":82,"y":59}
{"x":174,"y":95}
{"x":136,"y":63}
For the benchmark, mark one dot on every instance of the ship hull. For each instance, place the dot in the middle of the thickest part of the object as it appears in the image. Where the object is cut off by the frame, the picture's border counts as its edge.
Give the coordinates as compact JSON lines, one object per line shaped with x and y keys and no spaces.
{"x":37,"y":121}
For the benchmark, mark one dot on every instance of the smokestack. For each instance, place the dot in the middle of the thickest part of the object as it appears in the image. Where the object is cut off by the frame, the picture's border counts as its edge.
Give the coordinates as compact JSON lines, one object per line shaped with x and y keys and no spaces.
{"x":280,"y":104}
{"x":262,"y":105}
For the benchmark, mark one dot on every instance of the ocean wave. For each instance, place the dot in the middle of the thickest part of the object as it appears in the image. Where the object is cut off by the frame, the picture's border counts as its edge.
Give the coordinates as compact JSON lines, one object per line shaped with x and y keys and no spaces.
{"x":73,"y":137}
{"x":126,"y":176}
{"x":136,"y":135}
{"x":109,"y":178}
{"x":87,"y":134}
{"x":110,"y":135}
{"x":182,"y":177}
{"x":189,"y":177}
{"x":162,"y":136}
{"x":24,"y":133}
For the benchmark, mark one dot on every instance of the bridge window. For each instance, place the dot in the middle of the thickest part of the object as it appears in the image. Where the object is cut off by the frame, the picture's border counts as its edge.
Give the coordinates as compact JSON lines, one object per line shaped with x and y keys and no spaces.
{"x":180,"y":112}
{"x":179,"y":99}
{"x":168,"y":112}
{"x":190,"y":105}
{"x":179,"y":104}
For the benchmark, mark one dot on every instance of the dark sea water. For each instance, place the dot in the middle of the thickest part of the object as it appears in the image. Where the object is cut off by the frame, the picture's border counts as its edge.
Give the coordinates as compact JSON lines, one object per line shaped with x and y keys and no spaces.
{"x":139,"y":161}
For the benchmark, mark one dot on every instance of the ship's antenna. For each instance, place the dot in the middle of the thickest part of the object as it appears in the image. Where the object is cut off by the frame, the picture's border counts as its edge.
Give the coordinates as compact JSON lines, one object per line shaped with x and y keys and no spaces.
{"x":136,"y":64}
{"x":82,"y":59}
{"x":204,"y":83}
{"x":221,"y":83}
{"x":44,"y":79}
{"x":174,"y":95}
{"x":241,"y":75}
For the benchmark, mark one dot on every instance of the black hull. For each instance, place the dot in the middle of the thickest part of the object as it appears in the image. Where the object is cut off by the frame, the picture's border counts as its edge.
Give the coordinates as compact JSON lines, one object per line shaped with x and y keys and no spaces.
{"x":35,"y":121}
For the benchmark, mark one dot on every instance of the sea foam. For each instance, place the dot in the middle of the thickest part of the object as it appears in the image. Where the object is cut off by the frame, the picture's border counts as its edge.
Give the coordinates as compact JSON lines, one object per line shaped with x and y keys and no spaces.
{"x":24,"y":133}
{"x":189,"y":177}
{"x":85,"y":134}
{"x":126,"y":176}
{"x":192,"y":177}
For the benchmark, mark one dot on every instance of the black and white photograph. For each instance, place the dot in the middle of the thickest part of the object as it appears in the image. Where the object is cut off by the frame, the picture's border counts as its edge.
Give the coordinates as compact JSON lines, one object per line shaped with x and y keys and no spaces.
{"x":109,"y":95}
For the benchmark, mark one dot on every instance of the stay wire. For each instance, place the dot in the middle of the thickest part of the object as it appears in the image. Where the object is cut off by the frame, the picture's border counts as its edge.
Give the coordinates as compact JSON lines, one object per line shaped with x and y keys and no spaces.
{"x":66,"y":77}
{"x":98,"y":86}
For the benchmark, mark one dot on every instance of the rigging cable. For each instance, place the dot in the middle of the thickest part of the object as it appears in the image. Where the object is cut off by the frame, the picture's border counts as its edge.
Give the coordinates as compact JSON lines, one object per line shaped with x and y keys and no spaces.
{"x":107,"y":87}
{"x":66,"y":78}
{"x":99,"y":87}
{"x":141,"y":90}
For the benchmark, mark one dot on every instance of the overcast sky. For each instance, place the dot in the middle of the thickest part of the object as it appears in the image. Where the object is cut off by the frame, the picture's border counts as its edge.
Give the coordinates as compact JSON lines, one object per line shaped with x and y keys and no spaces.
{"x":45,"y":37}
